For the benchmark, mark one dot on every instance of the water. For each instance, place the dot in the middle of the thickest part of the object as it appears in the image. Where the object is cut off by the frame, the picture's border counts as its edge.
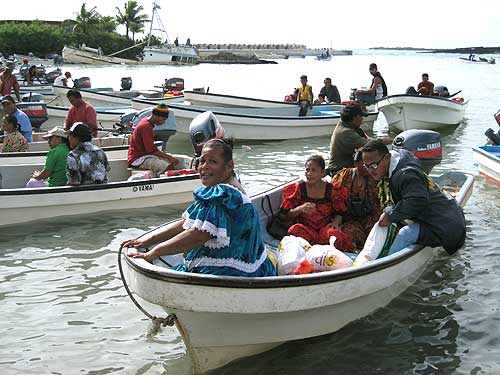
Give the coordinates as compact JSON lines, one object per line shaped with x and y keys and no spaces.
{"x":64,"y":309}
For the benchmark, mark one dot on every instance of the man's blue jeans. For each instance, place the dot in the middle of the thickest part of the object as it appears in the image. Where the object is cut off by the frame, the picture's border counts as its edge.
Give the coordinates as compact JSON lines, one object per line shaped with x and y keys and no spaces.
{"x":407,"y":236}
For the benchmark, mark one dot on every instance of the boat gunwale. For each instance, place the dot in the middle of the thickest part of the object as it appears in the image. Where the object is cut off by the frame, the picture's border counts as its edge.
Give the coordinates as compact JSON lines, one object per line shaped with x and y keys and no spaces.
{"x":94,"y":187}
{"x":174,"y":107}
{"x":486,"y":153}
{"x":447,"y":100}
{"x":242,"y":97}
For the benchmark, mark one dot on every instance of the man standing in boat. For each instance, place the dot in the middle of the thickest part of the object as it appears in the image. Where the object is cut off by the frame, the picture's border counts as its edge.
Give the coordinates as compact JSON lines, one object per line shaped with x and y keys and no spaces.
{"x":305,"y":97}
{"x":431,"y":218}
{"x":142,"y":152}
{"x":8,"y":82}
{"x":80,"y":111}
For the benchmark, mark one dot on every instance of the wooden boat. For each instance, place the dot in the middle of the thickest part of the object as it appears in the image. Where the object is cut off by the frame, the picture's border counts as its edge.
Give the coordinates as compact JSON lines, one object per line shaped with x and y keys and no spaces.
{"x":111,"y":98}
{"x":488,"y":159}
{"x":225,"y":318}
{"x":405,"y":111}
{"x":19,"y":204}
{"x":261,"y":124}
{"x":92,"y":56}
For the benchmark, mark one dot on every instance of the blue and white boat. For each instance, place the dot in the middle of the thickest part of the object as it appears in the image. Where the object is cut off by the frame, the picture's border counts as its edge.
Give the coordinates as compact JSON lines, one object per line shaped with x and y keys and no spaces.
{"x":488,"y":159}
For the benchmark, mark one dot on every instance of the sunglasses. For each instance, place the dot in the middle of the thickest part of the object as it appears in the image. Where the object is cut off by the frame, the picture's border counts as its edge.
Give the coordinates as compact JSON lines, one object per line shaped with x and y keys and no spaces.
{"x":374,"y":165}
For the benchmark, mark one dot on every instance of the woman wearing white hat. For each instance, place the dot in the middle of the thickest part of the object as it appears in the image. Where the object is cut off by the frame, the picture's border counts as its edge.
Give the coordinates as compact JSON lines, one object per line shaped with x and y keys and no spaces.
{"x":54,"y":170}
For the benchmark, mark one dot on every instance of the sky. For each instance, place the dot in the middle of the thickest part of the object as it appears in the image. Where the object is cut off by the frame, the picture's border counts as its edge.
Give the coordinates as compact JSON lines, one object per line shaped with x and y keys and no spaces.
{"x":324,"y":23}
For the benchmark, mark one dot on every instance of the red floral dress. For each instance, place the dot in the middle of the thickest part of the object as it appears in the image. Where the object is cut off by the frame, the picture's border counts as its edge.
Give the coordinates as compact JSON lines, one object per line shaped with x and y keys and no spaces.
{"x":312,"y":227}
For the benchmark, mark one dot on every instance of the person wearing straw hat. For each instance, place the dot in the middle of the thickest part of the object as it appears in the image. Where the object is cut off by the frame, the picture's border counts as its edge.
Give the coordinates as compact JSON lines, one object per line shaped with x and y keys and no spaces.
{"x":54,"y":170}
{"x":142,"y":152}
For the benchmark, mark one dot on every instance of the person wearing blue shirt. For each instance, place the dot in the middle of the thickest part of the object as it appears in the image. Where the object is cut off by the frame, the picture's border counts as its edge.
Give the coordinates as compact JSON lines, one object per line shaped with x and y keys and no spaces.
{"x":9,"y":106}
{"x":220,"y":233}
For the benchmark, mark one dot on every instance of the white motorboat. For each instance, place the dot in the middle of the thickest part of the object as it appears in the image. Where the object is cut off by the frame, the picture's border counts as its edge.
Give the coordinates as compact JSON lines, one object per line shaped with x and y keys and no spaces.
{"x":223,"y":318}
{"x":106,"y":116}
{"x":220,"y":100}
{"x":19,"y":204}
{"x":405,"y":112}
{"x":115,"y":98}
{"x":261,"y":124}
{"x":488,"y":159}
{"x":170,"y":54}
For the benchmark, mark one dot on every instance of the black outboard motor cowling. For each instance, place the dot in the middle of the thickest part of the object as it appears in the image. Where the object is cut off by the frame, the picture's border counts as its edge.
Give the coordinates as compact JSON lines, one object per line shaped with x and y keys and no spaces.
{"x":52,"y":75}
{"x":425,"y":145}
{"x":176,"y":84}
{"x":82,"y":83}
{"x":203,"y":127}
{"x":126,"y":83}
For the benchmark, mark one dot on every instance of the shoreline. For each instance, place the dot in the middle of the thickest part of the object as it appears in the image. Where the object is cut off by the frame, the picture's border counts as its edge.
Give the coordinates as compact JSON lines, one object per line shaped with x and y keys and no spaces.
{"x":464,"y":50}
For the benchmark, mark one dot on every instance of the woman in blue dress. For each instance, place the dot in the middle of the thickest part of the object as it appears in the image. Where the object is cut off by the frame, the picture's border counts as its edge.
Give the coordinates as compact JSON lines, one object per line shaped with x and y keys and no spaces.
{"x":220,"y":232}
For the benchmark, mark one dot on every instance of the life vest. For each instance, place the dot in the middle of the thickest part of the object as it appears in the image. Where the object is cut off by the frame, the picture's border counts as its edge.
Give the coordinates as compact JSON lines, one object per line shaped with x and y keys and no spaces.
{"x":305,"y":93}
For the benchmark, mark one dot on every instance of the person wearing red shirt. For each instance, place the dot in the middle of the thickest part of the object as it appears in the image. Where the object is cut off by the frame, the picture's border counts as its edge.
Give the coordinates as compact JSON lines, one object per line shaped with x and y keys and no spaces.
{"x":425,"y":87}
{"x":80,"y":111}
{"x":142,"y":152}
{"x":8,"y":82}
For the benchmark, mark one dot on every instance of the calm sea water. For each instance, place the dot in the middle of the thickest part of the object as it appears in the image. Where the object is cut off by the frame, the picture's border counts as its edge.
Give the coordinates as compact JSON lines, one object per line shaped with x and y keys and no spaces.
{"x":64,"y":309}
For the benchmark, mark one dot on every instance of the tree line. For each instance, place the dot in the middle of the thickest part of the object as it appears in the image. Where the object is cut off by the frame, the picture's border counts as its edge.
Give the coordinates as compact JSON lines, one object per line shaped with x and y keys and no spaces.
{"x":88,"y":27}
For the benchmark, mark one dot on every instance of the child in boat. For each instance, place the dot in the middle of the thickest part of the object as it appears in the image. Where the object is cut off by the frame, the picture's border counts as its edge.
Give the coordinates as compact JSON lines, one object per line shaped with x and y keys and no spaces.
{"x":316,"y":207}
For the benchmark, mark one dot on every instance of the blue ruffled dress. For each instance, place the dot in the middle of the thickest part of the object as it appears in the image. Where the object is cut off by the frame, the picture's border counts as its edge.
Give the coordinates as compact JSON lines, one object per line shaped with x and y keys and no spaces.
{"x":236,"y":248}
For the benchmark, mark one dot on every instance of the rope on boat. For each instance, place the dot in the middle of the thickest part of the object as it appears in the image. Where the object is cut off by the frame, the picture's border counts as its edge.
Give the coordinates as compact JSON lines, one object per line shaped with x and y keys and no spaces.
{"x":156,"y":321}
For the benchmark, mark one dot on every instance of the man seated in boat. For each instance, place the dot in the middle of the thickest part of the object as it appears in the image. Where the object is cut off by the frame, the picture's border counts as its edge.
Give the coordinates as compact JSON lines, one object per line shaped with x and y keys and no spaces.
{"x":363,"y":203}
{"x":142,"y":152}
{"x":220,"y":233}
{"x":292,"y":98}
{"x":316,"y":207}
{"x":80,"y":111}
{"x":432,"y":218}
{"x":87,"y":163}
{"x":426,"y":87}
{"x":10,"y":108}
{"x":377,"y":90}
{"x":330,"y":91}
{"x":54,"y":170}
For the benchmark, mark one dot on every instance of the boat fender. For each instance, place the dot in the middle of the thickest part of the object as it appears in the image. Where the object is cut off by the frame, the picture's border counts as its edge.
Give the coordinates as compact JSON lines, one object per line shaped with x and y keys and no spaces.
{"x":347,"y":102}
{"x":458,"y":100}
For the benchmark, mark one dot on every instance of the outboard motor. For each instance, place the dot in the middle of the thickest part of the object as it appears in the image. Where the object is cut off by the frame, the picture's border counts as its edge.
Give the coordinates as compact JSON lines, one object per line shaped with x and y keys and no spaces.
{"x":52,"y":75}
{"x":40,"y":70}
{"x":82,"y":83}
{"x":126,"y":83}
{"x":490,"y":133}
{"x":425,"y":145}
{"x":203,"y":127}
{"x":36,"y":111}
{"x":173,"y":87}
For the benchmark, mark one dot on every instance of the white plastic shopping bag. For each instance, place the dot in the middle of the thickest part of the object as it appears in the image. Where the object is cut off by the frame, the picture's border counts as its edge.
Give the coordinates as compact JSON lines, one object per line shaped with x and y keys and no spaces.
{"x":327,"y":257}
{"x":373,"y":245}
{"x":292,"y":251}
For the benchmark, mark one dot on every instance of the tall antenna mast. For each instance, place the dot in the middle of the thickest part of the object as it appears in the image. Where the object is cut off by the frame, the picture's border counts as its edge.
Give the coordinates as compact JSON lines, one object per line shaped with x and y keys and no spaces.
{"x":152,"y":19}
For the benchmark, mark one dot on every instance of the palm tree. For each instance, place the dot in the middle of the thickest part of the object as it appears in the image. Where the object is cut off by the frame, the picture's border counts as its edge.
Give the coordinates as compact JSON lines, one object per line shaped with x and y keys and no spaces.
{"x":86,"y":18}
{"x":131,"y":17}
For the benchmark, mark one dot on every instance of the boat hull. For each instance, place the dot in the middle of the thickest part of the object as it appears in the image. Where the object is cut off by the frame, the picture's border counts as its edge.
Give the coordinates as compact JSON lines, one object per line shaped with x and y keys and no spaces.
{"x":260,"y":124}
{"x":20,"y":205}
{"x":78,"y":56}
{"x":488,"y":159}
{"x":405,"y":112}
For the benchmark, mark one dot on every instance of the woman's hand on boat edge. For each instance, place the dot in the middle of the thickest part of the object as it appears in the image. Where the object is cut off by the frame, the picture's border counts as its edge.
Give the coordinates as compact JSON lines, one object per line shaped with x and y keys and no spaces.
{"x":149,"y":257}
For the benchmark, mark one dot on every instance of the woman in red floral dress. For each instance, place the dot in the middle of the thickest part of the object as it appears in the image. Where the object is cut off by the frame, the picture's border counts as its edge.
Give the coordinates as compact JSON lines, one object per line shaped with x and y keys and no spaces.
{"x":316,"y":207}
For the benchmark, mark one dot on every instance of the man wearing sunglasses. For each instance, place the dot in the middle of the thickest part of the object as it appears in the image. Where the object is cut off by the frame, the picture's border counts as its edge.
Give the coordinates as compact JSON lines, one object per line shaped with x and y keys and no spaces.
{"x":431,"y":218}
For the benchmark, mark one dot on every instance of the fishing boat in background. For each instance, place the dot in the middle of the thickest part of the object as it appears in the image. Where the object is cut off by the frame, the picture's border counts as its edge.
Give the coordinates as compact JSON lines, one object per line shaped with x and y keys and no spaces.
{"x":91,"y":56}
{"x":479,"y":60}
{"x":222,"y":319}
{"x":168,"y":53}
{"x":407,"y":111}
